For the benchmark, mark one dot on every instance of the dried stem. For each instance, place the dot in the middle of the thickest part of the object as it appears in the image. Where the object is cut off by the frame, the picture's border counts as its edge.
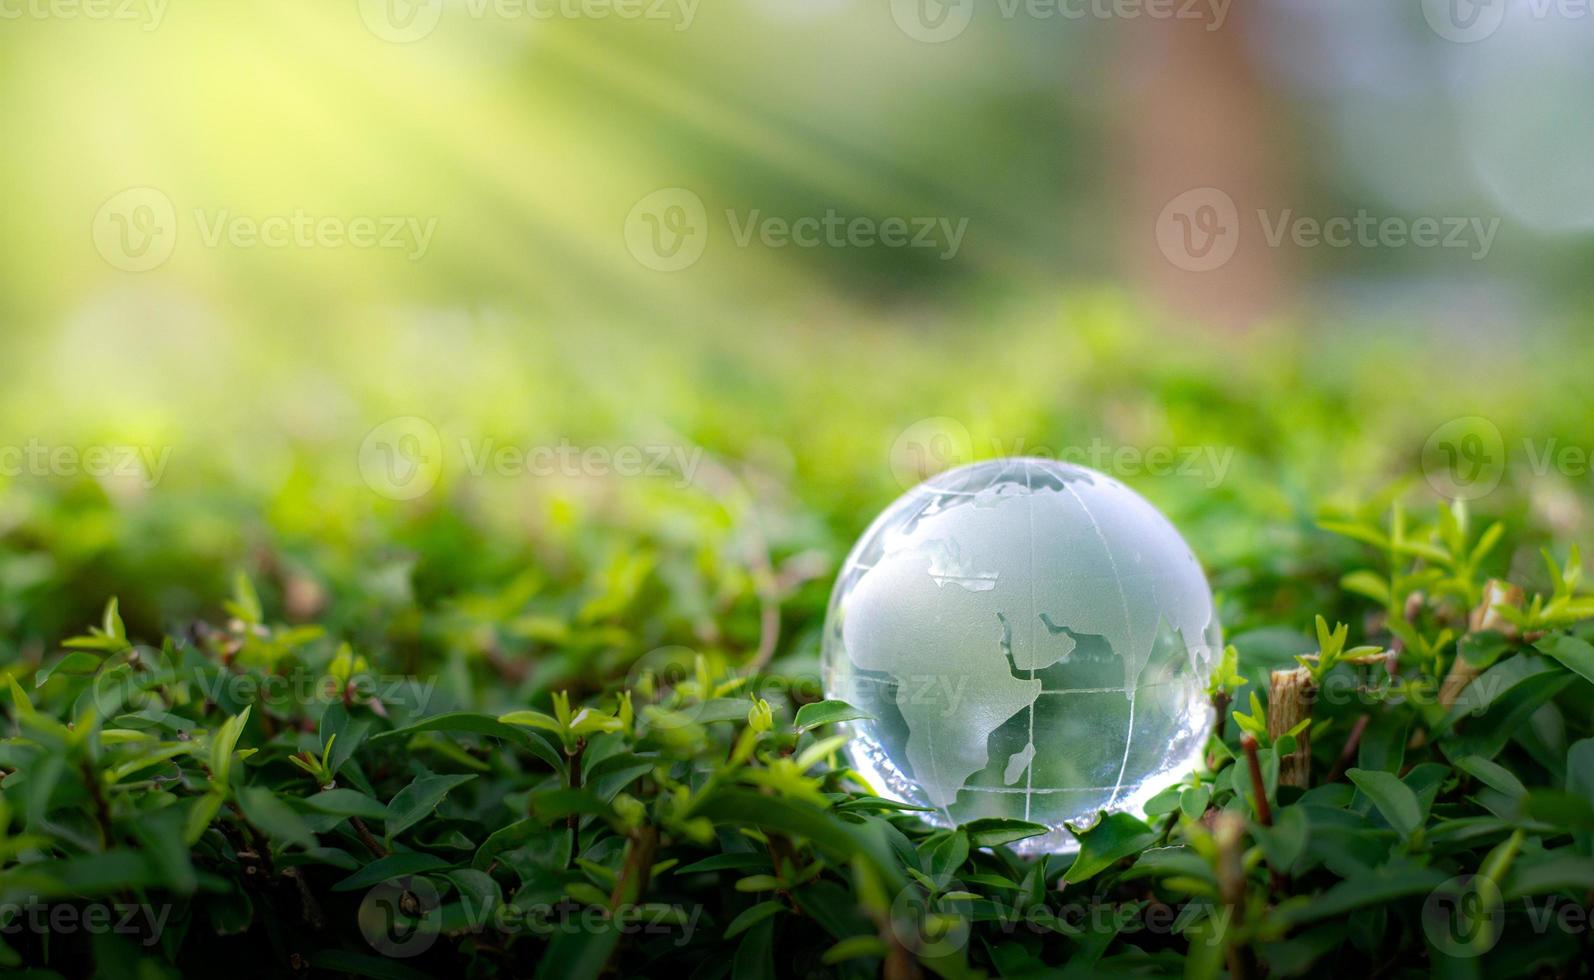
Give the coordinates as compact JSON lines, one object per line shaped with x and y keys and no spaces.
{"x":633,"y":880}
{"x":1289,"y":702}
{"x":1462,"y":671}
{"x":367,"y":838}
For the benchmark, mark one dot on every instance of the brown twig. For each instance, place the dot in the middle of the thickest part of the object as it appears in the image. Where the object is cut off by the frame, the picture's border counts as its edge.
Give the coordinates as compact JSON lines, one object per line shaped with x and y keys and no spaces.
{"x":1220,"y":704}
{"x":367,"y":838}
{"x":1353,"y":742}
{"x":257,"y":840}
{"x":1486,"y":617}
{"x":633,"y":880}
{"x":1264,"y":812}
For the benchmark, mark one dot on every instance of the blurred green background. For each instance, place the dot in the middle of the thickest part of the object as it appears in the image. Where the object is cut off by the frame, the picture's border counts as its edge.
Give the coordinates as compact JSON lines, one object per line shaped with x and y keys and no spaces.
{"x":240,"y":239}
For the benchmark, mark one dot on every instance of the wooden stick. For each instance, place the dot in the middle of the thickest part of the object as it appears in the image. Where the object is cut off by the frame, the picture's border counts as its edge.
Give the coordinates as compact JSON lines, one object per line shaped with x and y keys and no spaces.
{"x":1289,"y":702}
{"x":1462,"y":671}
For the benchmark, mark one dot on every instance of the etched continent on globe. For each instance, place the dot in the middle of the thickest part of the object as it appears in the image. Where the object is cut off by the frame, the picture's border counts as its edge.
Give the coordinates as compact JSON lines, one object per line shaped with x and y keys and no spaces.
{"x":1033,"y":640}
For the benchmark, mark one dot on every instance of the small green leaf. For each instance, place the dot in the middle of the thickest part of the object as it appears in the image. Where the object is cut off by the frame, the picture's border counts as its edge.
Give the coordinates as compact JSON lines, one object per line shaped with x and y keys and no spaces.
{"x":393,"y":866}
{"x":753,"y":915}
{"x":347,"y":803}
{"x":419,"y":798}
{"x":532,"y":719}
{"x":827,"y":713}
{"x":1114,"y":837}
{"x":1492,"y":775}
{"x":1393,"y":798}
{"x":854,"y":948}
{"x":996,"y":831}
{"x":1371,"y":888}
{"x":1572,"y":653}
{"x":276,"y":819}
{"x":1193,"y":801}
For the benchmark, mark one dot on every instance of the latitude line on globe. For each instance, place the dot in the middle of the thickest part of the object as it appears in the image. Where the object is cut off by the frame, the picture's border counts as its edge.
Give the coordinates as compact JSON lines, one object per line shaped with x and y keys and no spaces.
{"x":1041,"y":791}
{"x":884,"y":682}
{"x":1154,"y":575}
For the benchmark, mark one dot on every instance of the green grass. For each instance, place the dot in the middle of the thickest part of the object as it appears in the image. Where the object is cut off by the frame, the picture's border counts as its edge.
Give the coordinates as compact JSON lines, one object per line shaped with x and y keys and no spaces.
{"x":570,"y":721}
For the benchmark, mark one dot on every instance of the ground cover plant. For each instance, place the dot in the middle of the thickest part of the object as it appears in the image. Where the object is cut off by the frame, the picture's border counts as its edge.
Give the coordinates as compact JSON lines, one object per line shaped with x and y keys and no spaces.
{"x":263,"y":718}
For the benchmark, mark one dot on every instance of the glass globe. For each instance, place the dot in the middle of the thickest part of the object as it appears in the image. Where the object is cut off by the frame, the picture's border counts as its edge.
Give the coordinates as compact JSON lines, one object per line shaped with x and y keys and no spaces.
{"x":1033,"y":640}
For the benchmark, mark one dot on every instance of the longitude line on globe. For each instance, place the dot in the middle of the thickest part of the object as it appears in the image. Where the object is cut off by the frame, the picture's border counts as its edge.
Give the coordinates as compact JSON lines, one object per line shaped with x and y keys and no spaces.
{"x":1123,"y":602}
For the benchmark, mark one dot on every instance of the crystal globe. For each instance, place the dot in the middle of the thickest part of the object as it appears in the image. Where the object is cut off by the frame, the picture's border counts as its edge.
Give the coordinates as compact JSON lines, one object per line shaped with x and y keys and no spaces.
{"x":1033,"y":640}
